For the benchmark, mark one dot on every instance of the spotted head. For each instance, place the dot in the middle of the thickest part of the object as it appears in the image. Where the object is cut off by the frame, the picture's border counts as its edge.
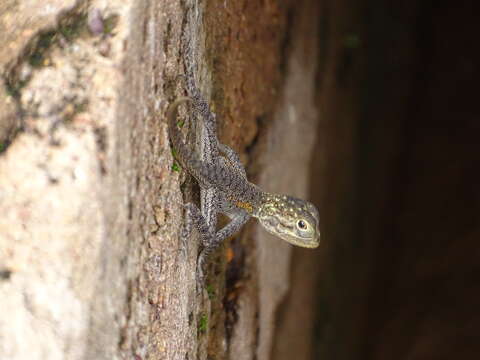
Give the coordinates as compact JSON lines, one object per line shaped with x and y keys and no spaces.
{"x":293,"y":220}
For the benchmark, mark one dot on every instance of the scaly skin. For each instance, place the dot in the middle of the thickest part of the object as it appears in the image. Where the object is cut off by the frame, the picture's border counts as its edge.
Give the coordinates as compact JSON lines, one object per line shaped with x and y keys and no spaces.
{"x":225,"y":189}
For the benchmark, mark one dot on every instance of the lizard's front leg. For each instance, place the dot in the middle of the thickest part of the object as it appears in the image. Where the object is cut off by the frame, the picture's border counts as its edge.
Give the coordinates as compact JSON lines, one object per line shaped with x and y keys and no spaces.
{"x":237,"y":220}
{"x":209,"y":238}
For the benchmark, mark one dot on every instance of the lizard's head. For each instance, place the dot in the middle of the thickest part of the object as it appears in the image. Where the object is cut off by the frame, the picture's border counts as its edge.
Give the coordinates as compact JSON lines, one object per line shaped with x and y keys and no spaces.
{"x":293,"y":220}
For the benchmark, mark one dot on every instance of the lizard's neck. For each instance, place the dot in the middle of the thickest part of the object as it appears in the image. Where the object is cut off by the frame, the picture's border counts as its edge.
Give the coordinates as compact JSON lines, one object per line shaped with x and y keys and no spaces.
{"x":270,"y":203}
{"x":247,"y":196}
{"x":266,"y":200}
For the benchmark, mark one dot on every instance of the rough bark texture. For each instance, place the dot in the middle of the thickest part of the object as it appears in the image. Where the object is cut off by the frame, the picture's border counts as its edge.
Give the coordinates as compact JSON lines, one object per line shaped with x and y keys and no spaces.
{"x":91,"y":264}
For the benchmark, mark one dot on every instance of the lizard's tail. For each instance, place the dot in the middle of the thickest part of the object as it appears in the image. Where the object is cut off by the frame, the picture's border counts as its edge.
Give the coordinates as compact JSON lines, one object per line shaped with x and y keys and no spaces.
{"x":207,"y":174}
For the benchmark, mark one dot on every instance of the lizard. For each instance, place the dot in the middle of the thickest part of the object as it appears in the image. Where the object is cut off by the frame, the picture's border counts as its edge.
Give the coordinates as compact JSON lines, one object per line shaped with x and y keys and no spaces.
{"x":225,"y":189}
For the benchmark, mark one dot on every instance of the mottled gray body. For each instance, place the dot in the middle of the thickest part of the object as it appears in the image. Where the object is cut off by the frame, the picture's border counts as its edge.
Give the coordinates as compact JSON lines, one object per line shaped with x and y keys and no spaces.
{"x":225,"y":189}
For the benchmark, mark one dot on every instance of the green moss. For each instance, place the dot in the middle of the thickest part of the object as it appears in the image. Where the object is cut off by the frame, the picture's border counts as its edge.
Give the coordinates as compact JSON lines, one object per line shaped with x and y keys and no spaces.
{"x":210,"y":291}
{"x":181,"y":123}
{"x":68,"y":29}
{"x":37,"y":56}
{"x":175,"y":167}
{"x":37,"y":51}
{"x":6,"y":142}
{"x":110,"y":23}
{"x":203,"y":323}
{"x":73,"y":27}
{"x":13,"y":88}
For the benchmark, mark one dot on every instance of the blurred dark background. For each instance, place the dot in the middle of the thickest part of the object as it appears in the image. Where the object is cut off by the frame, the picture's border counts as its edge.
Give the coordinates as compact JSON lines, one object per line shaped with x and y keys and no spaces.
{"x":396,"y":177}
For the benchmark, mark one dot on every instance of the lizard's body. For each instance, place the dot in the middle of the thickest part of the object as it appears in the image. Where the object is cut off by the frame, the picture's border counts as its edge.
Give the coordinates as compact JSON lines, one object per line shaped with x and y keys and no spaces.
{"x":225,"y":189}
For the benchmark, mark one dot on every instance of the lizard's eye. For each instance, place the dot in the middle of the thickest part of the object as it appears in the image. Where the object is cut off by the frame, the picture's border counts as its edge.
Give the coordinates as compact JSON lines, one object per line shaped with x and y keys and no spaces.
{"x":302,"y":225}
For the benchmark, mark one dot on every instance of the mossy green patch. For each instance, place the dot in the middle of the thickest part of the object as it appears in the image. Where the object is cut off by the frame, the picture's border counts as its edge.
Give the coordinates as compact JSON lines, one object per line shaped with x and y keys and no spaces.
{"x":37,"y":56}
{"x":73,"y":27}
{"x":13,"y":88}
{"x":175,"y":167}
{"x":210,"y":291}
{"x":203,"y":323}
{"x":68,"y":29}
{"x":110,"y":23}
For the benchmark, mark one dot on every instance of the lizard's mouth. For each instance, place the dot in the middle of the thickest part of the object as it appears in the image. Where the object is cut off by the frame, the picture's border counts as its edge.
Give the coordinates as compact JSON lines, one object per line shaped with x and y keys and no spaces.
{"x":305,"y":242}
{"x":290,"y":235}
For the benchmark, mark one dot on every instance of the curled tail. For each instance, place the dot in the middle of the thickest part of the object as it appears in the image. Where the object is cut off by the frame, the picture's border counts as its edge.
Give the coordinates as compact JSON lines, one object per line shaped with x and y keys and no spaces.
{"x":186,"y":157}
{"x":211,"y":173}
